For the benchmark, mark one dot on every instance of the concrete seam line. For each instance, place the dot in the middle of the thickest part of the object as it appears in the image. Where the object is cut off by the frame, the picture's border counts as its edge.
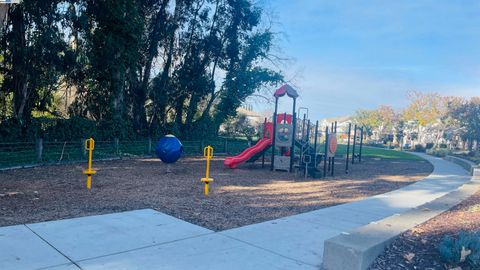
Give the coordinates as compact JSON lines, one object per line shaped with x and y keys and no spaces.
{"x":52,"y":246}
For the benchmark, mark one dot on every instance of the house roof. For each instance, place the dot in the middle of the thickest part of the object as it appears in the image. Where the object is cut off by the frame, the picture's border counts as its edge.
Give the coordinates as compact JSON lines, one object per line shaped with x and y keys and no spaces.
{"x":248,"y":112}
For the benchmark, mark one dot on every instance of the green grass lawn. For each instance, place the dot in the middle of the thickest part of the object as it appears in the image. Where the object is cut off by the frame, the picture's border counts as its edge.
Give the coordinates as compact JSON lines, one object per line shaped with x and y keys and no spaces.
{"x":378,"y":153}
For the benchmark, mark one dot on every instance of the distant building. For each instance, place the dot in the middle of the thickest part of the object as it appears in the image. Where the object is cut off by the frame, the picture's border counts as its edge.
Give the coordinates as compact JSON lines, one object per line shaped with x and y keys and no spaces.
{"x":253,"y":117}
{"x":342,"y":123}
{"x":342,"y":127}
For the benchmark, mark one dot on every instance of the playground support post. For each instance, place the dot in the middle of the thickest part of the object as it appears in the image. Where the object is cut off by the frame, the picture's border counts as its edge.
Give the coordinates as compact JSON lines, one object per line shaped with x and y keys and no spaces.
{"x":348,"y":147}
{"x":274,"y":134}
{"x":332,"y":171}
{"x":354,"y":143}
{"x":326,"y":153}
{"x":264,"y":133}
{"x":333,"y":157}
{"x":329,"y":164}
{"x":361,"y":145}
{"x":307,"y":139}
{"x":302,"y":108}
{"x":303,"y":126}
{"x":294,"y":126}
{"x":315,"y":143}
{"x":307,"y":159}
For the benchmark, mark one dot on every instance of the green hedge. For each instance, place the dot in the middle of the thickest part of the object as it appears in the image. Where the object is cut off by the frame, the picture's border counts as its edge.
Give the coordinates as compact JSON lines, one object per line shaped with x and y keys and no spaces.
{"x":51,"y":129}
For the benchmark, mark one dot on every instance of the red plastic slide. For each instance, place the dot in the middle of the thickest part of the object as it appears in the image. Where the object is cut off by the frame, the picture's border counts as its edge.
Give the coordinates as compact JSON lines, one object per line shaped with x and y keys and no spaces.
{"x":262,"y":144}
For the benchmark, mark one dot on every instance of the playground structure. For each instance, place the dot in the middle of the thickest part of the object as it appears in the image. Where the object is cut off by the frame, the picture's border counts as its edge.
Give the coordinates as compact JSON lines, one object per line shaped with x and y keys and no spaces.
{"x":295,"y":143}
{"x":169,"y":149}
{"x":251,"y":154}
{"x":358,"y":155}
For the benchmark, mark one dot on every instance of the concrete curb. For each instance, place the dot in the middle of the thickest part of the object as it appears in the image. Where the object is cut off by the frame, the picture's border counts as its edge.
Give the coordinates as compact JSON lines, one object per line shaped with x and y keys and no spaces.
{"x":473,"y":168}
{"x":357,"y":249}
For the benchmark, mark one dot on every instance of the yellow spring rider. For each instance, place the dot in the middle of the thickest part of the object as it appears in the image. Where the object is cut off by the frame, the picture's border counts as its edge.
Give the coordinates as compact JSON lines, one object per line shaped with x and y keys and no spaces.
{"x":89,"y":146}
{"x":208,"y":154}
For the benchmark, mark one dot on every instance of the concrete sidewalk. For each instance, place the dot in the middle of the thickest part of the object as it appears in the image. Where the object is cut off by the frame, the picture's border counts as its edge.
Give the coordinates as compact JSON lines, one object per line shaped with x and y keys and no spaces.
{"x":146,"y":239}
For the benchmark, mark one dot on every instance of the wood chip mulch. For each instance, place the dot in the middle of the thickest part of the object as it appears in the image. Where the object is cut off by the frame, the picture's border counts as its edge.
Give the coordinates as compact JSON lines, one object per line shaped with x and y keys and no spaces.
{"x":418,"y":247}
{"x":238,"y":197}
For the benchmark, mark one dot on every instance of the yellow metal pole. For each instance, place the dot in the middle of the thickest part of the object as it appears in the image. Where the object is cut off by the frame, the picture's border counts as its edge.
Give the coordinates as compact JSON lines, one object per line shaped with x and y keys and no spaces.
{"x":207,"y":173}
{"x":89,"y":145}
{"x":90,"y":155}
{"x":208,"y":154}
{"x":89,"y":182}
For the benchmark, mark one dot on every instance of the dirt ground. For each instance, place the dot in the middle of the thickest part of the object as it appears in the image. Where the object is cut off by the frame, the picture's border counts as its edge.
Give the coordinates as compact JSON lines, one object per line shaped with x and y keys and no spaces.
{"x":423,"y":240}
{"x":238,"y":197}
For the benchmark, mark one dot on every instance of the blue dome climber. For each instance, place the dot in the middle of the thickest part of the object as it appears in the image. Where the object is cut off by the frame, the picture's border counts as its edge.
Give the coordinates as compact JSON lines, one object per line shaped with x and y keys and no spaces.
{"x":169,"y":149}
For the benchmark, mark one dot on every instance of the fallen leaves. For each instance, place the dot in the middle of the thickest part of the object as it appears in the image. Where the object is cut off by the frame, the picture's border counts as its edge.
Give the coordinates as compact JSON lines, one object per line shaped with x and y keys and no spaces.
{"x":417,"y":248}
{"x":417,"y":230}
{"x":10,"y":194}
{"x":474,"y":209}
{"x":464,"y":254}
{"x":409,"y":256}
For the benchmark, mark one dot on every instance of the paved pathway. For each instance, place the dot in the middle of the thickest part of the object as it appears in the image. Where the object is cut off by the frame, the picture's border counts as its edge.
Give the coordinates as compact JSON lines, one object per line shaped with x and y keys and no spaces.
{"x":146,"y":239}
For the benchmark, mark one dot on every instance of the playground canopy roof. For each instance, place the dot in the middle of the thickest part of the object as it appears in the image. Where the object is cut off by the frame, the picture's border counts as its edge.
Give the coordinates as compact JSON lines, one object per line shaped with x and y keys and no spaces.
{"x":286,"y":89}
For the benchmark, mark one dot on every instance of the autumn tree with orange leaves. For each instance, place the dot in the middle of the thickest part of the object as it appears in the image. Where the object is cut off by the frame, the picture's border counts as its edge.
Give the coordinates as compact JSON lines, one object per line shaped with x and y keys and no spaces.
{"x":431,"y":113}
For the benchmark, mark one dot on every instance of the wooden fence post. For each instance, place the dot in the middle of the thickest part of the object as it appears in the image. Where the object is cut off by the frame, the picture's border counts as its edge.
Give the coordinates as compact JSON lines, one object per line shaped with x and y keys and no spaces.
{"x":116,"y":145}
{"x":149,"y":146}
{"x":82,"y":148}
{"x":39,"y":149}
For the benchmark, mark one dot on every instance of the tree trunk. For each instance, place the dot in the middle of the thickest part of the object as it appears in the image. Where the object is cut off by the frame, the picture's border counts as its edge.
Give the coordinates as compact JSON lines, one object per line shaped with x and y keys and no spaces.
{"x":138,"y":110}
{"x":439,"y":136}
{"x":22,"y":108}
{"x":159,"y":103}
{"x":118,"y":112}
{"x":179,"y":107}
{"x":191,"y":111}
{"x":140,"y":92}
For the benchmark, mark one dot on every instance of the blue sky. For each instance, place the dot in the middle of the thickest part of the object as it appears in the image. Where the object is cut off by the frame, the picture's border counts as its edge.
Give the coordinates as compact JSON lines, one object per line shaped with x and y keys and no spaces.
{"x":349,"y":54}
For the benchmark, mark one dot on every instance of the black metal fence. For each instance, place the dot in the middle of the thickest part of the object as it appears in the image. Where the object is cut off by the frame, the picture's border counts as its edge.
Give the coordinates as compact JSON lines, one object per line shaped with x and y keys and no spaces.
{"x":22,"y":154}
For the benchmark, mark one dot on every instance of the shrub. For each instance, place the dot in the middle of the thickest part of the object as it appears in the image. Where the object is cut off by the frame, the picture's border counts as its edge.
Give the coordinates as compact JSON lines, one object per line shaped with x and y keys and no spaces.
{"x":61,"y":129}
{"x":429,"y":145}
{"x":68,"y":129}
{"x":451,"y":249}
{"x":439,"y":152}
{"x":472,"y":153}
{"x":419,"y":148}
{"x":374,"y":144}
